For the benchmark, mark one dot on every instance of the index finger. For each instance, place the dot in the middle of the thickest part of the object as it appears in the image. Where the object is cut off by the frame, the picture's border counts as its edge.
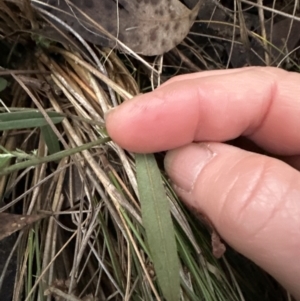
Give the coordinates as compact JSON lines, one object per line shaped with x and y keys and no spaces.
{"x":260,"y":103}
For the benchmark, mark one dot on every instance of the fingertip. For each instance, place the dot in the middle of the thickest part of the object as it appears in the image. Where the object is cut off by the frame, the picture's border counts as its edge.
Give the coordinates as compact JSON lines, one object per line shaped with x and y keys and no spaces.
{"x":184,"y":164}
{"x":155,"y":121}
{"x":120,"y":123}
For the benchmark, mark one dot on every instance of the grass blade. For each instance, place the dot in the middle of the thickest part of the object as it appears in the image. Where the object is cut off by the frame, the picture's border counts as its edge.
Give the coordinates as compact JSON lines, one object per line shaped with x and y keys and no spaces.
{"x":50,"y":139}
{"x":158,"y":226}
{"x":26,"y":119}
{"x":3,"y":84}
{"x":54,"y":157}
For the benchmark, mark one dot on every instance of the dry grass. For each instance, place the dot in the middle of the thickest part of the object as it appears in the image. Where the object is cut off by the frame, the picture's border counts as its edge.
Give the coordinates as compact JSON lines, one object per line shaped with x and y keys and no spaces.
{"x":92,"y":245}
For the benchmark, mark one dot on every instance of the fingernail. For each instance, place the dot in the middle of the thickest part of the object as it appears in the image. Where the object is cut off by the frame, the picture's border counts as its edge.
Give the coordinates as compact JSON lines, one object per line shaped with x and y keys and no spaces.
{"x":184,"y":164}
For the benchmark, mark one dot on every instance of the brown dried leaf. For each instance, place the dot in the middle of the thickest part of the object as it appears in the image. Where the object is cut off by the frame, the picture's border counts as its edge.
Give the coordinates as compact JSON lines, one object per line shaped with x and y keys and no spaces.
{"x":148,"y":27}
{"x":10,"y":223}
{"x":217,"y":246}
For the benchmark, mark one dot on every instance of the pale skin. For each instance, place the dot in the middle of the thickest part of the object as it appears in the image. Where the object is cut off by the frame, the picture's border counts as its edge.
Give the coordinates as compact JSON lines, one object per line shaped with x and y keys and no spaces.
{"x":253,"y":200}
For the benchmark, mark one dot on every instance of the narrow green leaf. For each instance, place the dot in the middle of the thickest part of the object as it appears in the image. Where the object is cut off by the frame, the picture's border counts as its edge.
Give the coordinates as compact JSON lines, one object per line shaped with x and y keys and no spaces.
{"x":158,"y":225}
{"x":50,"y":139}
{"x":26,"y":119}
{"x":54,"y":157}
{"x":3,"y":84}
{"x":4,"y":160}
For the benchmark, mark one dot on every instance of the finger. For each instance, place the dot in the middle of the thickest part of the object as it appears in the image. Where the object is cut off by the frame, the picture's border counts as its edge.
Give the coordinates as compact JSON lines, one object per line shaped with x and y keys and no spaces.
{"x":248,"y":145}
{"x":252,"y":200}
{"x":196,"y":75}
{"x":260,"y":103}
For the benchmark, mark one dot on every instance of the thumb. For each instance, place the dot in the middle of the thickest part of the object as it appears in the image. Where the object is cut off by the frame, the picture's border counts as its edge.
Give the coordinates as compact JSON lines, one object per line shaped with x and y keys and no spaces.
{"x":252,"y":200}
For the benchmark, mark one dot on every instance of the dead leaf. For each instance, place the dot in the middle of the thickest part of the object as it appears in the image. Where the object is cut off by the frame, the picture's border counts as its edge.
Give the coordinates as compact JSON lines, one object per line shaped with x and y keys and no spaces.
{"x":10,"y":223}
{"x":217,"y":246}
{"x":148,"y":27}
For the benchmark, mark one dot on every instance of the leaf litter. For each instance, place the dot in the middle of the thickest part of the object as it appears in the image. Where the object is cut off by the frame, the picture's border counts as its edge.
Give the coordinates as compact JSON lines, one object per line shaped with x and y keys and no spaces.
{"x":10,"y":223}
{"x":98,"y":232}
{"x":148,"y":27}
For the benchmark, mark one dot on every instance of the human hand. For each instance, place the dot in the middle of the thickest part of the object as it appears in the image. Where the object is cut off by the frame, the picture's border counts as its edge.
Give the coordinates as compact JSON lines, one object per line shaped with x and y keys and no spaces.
{"x":252,"y":200}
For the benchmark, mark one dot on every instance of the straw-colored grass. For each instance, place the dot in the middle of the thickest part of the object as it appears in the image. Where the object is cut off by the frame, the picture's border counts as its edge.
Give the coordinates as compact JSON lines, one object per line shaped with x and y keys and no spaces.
{"x":91,"y":245}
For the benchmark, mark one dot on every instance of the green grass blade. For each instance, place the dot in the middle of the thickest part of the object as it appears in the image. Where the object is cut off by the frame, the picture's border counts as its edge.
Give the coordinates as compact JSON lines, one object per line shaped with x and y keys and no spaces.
{"x":26,"y":119}
{"x":3,"y":84}
{"x":4,"y":160}
{"x":112,"y":251}
{"x":50,"y":139}
{"x":54,"y":157}
{"x":158,"y":226}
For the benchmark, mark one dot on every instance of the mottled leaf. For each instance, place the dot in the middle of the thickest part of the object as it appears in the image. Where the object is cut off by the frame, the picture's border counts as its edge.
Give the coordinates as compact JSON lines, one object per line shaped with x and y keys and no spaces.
{"x":148,"y":27}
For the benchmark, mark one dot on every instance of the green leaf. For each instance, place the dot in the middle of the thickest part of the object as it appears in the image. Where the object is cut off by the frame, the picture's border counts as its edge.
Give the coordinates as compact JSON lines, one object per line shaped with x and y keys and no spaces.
{"x":4,"y":160}
{"x":50,"y":139}
{"x":33,"y":161}
{"x":3,"y":84}
{"x":158,"y":225}
{"x":26,"y":119}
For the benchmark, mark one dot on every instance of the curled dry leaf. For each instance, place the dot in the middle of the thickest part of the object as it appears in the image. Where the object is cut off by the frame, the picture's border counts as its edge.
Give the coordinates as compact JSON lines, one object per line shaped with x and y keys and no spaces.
{"x":217,"y":246}
{"x":148,"y":27}
{"x":10,"y":223}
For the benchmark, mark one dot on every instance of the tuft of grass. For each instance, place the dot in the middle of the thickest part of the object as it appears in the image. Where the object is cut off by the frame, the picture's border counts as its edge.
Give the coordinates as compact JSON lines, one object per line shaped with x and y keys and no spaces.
{"x":56,"y":158}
